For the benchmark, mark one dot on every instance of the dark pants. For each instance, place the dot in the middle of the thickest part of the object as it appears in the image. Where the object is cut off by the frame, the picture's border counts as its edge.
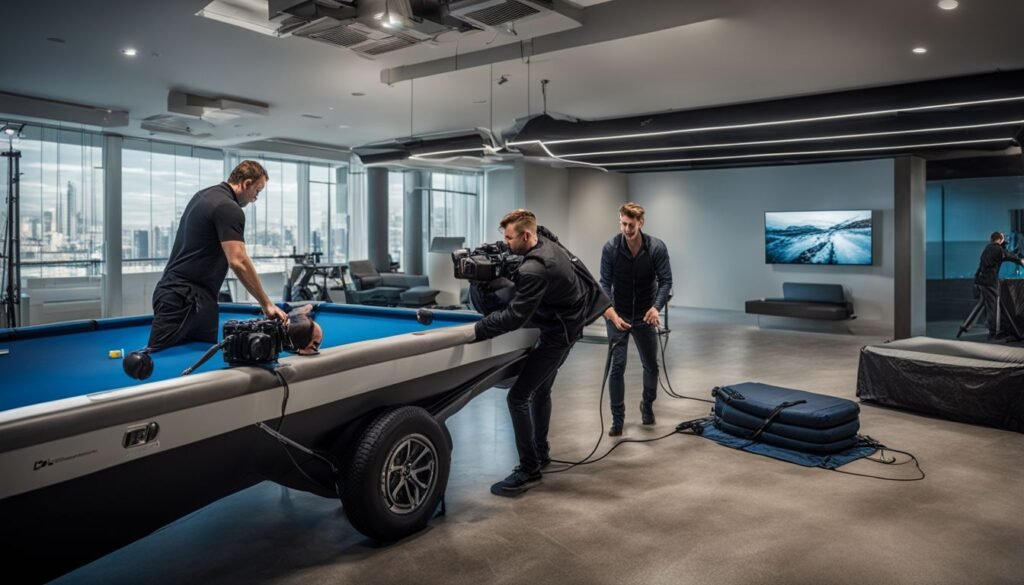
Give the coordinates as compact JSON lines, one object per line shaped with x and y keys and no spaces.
{"x":646,"y":338}
{"x":182,"y":313}
{"x":990,"y":300}
{"x":529,"y":401}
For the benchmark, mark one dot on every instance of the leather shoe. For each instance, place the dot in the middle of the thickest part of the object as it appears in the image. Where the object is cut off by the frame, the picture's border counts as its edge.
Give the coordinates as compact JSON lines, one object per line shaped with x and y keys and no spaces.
{"x":615,"y":431}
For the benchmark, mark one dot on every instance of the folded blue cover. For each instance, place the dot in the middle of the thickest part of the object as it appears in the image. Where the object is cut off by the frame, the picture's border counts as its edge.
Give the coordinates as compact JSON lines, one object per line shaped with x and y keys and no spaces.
{"x":760,"y":400}
{"x":787,"y":443}
{"x":737,"y":417}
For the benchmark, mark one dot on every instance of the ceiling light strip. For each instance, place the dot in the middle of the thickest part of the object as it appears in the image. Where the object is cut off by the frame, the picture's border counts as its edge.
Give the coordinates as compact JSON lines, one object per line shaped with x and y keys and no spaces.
{"x":794,"y":140}
{"x":804,"y":153}
{"x":775,"y":122}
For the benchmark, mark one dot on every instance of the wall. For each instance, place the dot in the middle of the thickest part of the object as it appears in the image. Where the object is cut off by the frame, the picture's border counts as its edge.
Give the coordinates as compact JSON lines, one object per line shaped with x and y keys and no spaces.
{"x":594,"y":201}
{"x":713,"y":224}
{"x":501,"y":195}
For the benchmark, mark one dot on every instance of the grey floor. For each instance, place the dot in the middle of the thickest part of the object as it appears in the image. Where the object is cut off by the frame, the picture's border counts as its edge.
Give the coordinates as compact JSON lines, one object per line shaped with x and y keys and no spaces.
{"x":682,"y":510}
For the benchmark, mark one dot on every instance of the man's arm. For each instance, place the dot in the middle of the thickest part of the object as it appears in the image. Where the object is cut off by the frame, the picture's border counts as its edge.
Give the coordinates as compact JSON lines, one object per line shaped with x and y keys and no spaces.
{"x":530,"y":289}
{"x":663,"y":270}
{"x":244,"y":269}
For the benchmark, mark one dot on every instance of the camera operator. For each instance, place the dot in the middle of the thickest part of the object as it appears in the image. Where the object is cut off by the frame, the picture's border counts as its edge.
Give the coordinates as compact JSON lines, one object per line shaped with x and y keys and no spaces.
{"x":986,"y":279}
{"x":555,"y":293}
{"x":636,"y":274}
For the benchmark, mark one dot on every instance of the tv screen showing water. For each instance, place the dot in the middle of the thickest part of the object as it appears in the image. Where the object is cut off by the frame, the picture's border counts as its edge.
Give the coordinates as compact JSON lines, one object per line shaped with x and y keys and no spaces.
{"x":817,"y":237}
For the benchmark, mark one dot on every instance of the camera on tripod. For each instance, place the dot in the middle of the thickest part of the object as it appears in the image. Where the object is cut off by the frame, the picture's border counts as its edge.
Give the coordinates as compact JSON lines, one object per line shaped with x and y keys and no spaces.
{"x":486,"y":263}
{"x":253,"y":342}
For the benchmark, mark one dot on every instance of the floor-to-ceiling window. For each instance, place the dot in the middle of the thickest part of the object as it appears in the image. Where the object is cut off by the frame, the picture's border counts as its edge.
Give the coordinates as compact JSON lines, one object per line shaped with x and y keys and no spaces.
{"x":454,"y":205}
{"x":61,"y":215}
{"x":157,"y":181}
{"x":396,"y":211}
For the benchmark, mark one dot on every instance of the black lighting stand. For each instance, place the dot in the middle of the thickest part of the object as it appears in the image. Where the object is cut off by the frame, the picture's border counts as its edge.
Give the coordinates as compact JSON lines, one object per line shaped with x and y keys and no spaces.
{"x":11,"y":295}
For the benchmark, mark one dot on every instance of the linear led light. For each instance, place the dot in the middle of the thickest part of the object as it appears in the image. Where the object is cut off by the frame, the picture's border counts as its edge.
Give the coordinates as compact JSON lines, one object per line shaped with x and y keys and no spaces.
{"x":805,"y":153}
{"x":792,"y":140}
{"x":775,"y":122}
{"x":485,"y":148}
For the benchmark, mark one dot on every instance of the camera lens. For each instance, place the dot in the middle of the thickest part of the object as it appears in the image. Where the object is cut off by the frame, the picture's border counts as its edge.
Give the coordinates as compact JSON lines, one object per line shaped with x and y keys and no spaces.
{"x":260,"y":347}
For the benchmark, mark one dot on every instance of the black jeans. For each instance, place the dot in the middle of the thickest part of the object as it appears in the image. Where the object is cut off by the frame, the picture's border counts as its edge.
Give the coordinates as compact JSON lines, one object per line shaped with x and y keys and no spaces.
{"x":529,"y":401}
{"x":646,"y":338}
{"x":990,"y":300}
{"x":182,"y":313}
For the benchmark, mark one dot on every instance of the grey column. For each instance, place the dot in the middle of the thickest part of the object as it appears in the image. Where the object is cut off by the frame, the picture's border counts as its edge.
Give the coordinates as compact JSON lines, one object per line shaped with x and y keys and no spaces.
{"x":112,"y":293}
{"x":413,"y":233}
{"x":304,"y":241}
{"x":377,"y":216}
{"x":910,"y":279}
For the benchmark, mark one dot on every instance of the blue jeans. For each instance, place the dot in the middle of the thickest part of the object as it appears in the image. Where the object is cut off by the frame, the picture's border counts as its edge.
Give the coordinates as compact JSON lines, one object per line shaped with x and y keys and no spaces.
{"x":646,"y":338}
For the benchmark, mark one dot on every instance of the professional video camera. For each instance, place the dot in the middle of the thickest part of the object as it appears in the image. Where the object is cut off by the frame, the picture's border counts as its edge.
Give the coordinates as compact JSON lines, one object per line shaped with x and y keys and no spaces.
{"x":486,"y":263}
{"x":253,"y":342}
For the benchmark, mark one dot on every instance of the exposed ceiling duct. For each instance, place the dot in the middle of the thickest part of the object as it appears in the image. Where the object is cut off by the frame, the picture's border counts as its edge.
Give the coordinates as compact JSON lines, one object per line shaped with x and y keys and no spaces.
{"x":216,"y":110}
{"x":968,"y":114}
{"x":477,"y":143}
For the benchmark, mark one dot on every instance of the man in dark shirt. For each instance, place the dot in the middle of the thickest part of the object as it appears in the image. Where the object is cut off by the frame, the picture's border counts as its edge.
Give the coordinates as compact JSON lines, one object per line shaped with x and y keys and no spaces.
{"x":987,"y":277}
{"x":210,"y":238}
{"x":636,"y":274}
{"x":555,"y":293}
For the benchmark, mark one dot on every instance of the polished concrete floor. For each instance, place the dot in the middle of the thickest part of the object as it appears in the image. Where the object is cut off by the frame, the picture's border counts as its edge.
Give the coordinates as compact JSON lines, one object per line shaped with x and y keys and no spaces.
{"x":678,"y":511}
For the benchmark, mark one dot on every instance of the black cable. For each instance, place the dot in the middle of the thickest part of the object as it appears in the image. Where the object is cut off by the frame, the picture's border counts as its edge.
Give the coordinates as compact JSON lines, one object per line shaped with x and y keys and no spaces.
{"x":670,"y":391}
{"x":289,"y":444}
{"x":867,"y":441}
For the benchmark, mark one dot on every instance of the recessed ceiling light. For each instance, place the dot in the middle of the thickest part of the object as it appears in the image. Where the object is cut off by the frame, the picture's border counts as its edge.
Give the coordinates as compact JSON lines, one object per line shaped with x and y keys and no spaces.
{"x":129,"y":52}
{"x":920,"y":50}
{"x":331,"y":108}
{"x":342,"y":126}
{"x":358,"y":93}
{"x":948,"y":4}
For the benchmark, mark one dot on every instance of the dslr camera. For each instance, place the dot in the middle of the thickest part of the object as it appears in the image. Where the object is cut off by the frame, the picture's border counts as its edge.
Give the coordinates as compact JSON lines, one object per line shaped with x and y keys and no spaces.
{"x":486,"y":263}
{"x":253,"y":342}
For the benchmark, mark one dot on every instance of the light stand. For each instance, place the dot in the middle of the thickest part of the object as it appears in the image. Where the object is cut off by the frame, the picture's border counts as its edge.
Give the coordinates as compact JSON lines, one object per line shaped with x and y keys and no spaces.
{"x":11,"y":295}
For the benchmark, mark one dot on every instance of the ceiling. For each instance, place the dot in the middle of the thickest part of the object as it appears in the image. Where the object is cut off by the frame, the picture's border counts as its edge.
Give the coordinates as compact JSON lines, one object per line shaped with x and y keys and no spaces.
{"x":738,"y":51}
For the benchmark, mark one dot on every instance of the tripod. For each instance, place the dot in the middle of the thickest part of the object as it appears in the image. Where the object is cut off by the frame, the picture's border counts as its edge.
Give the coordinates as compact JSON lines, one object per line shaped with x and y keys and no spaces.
{"x":1001,"y":313}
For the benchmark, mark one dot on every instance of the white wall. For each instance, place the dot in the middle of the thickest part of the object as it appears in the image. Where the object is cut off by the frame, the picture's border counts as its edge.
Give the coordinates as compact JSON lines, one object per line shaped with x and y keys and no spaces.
{"x":501,"y":195}
{"x":545,"y":193}
{"x":713,"y":224}
{"x":594,"y":201}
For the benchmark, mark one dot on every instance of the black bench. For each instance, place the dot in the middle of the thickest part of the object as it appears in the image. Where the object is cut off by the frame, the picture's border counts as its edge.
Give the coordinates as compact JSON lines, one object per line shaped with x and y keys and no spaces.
{"x":804,"y":300}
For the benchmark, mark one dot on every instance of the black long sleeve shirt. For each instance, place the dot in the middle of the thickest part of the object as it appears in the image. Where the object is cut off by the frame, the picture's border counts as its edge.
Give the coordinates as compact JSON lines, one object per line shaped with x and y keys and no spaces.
{"x":992,"y":257}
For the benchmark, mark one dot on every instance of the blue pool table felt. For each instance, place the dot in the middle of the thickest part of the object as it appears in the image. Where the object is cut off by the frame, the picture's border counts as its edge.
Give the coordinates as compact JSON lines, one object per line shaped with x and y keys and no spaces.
{"x":58,"y":361}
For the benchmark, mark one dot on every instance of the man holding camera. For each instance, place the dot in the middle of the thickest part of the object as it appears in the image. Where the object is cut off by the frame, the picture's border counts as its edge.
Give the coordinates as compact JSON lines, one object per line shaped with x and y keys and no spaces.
{"x":555,"y":293}
{"x":636,"y":274}
{"x":986,"y":279}
{"x":210,"y":238}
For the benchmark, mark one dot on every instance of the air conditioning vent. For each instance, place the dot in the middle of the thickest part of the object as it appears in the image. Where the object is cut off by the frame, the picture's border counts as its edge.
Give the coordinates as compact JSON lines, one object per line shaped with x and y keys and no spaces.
{"x":502,"y":13}
{"x":341,"y":35}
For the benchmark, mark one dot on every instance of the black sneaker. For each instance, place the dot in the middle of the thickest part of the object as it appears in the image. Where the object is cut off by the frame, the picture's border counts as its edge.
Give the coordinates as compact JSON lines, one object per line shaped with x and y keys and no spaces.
{"x":516,"y":483}
{"x":544,"y":462}
{"x":647,"y":413}
{"x":615,"y":431}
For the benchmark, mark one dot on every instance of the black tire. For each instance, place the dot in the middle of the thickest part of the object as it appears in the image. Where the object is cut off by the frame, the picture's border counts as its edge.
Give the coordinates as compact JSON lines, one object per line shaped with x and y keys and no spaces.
{"x":384,"y":495}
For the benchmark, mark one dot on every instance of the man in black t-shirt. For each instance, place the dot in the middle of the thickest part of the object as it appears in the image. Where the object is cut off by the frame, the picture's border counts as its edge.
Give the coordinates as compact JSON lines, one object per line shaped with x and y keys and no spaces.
{"x":210,"y":238}
{"x":986,"y":279}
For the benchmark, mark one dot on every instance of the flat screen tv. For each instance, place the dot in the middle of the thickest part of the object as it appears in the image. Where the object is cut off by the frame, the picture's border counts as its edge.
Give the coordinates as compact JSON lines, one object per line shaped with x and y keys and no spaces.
{"x":817,"y":237}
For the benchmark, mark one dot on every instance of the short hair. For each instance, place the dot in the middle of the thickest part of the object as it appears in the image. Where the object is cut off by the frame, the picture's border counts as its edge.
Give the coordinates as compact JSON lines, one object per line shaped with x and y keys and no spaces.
{"x":995,"y":236}
{"x":523,"y":219}
{"x":247,"y":169}
{"x":632,"y":211}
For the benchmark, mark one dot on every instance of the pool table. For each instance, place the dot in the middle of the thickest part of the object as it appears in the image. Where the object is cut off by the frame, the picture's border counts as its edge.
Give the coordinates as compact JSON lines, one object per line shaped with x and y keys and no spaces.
{"x":91,"y":460}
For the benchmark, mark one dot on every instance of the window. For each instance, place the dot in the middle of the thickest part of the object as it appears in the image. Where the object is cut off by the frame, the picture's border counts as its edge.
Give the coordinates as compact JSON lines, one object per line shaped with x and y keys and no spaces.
{"x":328,"y":212}
{"x":61,"y":204}
{"x":272,"y":222}
{"x":396,"y":207}
{"x":157,"y":181}
{"x":454,"y":206}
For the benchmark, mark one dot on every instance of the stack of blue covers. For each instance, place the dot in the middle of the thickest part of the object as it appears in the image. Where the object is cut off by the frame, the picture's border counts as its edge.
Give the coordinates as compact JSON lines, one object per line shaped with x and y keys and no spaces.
{"x":787,"y":418}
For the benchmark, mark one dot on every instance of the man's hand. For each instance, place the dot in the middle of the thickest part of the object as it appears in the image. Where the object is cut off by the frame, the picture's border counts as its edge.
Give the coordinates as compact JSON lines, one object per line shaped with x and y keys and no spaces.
{"x":617,"y":321}
{"x":272,"y":311}
{"x":653,"y":317}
